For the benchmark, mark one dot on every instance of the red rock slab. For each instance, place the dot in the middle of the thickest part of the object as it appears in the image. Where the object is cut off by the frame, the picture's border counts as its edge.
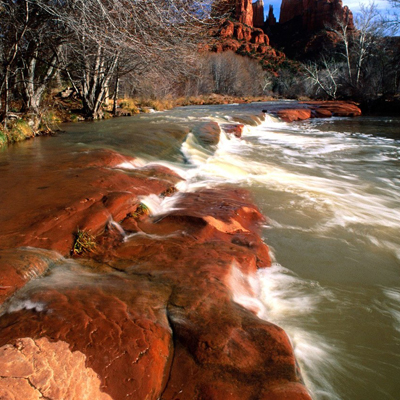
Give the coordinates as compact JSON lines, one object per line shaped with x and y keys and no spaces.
{"x":224,"y":216}
{"x":118,"y":323}
{"x":337,"y":108}
{"x":321,"y":113}
{"x":235,"y":356}
{"x":290,"y":115}
{"x":180,"y":315}
{"x":234,"y":129}
{"x":222,"y":350}
{"x":84,"y":190}
{"x":314,"y":109}
{"x":36,"y":369}
{"x":19,"y":266}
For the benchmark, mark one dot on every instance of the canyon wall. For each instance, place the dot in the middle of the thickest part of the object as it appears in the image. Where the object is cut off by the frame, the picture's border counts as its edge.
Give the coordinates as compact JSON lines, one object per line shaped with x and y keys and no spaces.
{"x":258,"y":14}
{"x":313,"y":14}
{"x":316,"y":14}
{"x":244,"y":12}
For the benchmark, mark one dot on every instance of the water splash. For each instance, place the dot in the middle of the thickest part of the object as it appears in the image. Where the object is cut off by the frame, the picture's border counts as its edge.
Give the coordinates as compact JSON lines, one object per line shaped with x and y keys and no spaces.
{"x":245,"y":290}
{"x":393,"y":296}
{"x":160,"y":205}
{"x":289,"y":299}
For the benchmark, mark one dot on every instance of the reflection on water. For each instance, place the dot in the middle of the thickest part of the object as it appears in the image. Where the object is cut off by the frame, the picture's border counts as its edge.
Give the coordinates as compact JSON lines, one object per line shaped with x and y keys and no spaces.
{"x":331,"y":191}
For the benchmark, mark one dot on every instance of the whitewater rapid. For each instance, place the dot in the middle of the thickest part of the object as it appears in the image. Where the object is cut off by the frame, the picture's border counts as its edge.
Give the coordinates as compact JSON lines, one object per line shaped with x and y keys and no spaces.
{"x":332,"y":200}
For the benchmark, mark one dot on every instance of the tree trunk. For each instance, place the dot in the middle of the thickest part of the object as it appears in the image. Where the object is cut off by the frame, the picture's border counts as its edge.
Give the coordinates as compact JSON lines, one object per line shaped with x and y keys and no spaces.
{"x":33,"y":86}
{"x":115,"y":95}
{"x":95,"y":82}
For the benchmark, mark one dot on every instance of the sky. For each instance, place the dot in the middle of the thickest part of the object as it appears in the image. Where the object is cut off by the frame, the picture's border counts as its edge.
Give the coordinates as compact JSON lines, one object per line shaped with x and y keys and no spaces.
{"x":354,"y":6}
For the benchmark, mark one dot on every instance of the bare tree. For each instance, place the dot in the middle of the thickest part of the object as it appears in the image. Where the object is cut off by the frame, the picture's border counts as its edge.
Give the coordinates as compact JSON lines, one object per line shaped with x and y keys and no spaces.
{"x":94,"y":43}
{"x":353,"y":67}
{"x":141,"y":33}
{"x":31,"y":40}
{"x":324,"y":76}
{"x":392,"y":20}
{"x":17,"y":18}
{"x":236,"y":75}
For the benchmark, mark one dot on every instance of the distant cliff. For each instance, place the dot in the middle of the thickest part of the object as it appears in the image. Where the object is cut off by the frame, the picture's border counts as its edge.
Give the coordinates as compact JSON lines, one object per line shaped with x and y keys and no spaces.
{"x":242,"y":32}
{"x":316,"y":14}
{"x":305,"y":26}
{"x":244,"y":12}
{"x":302,"y":28}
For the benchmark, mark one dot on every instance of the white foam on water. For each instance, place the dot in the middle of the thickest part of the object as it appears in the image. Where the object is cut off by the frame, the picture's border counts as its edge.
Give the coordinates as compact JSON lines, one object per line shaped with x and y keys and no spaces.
{"x":288,"y":300}
{"x":25,"y":305}
{"x":389,"y":246}
{"x":393,"y":295}
{"x":152,"y":236}
{"x":118,"y":227}
{"x":131,"y":165}
{"x":348,"y":200}
{"x":160,"y":205}
{"x":279,"y":296}
{"x":245,"y":290}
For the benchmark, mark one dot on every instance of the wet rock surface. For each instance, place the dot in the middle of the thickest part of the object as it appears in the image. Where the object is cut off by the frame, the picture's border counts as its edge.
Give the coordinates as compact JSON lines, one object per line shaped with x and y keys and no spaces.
{"x":234,"y":129}
{"x":162,"y":307}
{"x":19,"y":266}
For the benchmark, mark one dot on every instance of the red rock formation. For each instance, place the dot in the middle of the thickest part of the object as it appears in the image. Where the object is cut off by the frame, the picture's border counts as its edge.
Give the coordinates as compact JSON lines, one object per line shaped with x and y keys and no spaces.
{"x":244,"y":12}
{"x":258,"y":14}
{"x":271,"y":20}
{"x":259,"y":37}
{"x":316,"y":14}
{"x":227,"y":29}
{"x":290,"y":9}
{"x":244,"y":40}
{"x":246,"y":36}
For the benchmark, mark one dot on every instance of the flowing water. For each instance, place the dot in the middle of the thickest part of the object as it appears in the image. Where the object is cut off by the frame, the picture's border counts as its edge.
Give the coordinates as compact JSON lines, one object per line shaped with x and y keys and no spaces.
{"x":331,"y":192}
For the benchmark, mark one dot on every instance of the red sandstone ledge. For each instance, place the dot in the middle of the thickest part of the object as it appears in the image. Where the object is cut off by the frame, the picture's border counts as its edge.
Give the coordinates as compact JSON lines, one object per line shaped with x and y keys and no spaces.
{"x":314,"y":109}
{"x":151,"y":317}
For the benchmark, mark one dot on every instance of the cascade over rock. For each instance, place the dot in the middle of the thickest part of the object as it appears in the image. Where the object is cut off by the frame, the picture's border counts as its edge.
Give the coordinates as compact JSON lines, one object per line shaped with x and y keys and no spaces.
{"x":158,"y":308}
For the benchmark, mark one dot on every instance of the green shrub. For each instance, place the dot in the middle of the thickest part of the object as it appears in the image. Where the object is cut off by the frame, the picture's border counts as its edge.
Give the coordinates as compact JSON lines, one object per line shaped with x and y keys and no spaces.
{"x":20,"y":130}
{"x":3,"y":139}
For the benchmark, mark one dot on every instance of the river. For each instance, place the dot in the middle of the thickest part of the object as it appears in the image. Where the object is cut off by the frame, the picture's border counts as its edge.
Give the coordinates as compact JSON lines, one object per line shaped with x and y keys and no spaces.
{"x":330,"y":189}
